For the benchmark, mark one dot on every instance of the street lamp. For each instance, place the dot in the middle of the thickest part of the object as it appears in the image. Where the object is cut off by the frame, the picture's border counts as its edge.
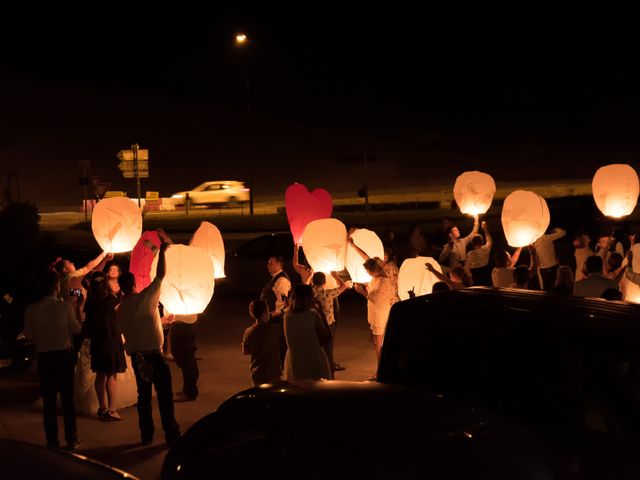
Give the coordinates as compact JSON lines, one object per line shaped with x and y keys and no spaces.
{"x":242,"y":41}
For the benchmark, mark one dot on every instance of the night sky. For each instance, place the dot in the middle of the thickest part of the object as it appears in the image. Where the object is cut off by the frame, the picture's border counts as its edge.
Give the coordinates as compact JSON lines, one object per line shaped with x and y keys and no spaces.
{"x":421,"y":88}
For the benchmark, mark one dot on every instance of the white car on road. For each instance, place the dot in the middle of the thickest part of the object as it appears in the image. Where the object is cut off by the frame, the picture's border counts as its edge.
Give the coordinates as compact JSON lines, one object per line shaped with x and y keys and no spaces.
{"x":214,"y":193}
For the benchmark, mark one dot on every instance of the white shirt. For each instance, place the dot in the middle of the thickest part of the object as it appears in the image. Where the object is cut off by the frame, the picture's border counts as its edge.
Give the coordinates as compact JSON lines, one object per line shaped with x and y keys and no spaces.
{"x":454,"y":255}
{"x":51,"y":322}
{"x":189,"y":319}
{"x":478,"y":257}
{"x":139,"y":320}
{"x":281,"y":289}
{"x":545,"y":250}
{"x":502,"y":277}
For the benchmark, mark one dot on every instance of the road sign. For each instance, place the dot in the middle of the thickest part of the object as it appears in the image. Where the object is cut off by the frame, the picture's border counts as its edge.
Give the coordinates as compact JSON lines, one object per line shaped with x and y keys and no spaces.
{"x":127,"y":166}
{"x":132,"y":174}
{"x":127,"y":155}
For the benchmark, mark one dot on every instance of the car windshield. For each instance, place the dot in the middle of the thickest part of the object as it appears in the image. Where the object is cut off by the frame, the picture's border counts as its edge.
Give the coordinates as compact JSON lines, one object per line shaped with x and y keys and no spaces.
{"x":202,"y":186}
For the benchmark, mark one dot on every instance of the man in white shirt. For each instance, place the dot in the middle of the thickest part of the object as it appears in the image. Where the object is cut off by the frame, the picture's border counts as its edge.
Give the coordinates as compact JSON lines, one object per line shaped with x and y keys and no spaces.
{"x":140,"y":323}
{"x":547,"y":258}
{"x":276,"y":293}
{"x":454,"y":253}
{"x":595,"y":283}
{"x":52,"y":322}
{"x":478,"y":259}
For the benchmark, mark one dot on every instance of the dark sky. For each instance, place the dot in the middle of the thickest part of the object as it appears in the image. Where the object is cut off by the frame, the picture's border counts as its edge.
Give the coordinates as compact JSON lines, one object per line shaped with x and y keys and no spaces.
{"x":419,"y":86}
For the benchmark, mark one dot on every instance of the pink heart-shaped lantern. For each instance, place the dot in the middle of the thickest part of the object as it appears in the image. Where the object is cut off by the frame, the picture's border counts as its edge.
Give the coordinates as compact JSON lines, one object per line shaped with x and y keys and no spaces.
{"x":304,"y":207}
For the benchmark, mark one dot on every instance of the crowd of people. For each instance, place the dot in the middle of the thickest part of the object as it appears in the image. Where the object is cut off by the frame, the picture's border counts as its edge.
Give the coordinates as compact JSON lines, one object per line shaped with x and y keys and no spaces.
{"x":103,"y":345}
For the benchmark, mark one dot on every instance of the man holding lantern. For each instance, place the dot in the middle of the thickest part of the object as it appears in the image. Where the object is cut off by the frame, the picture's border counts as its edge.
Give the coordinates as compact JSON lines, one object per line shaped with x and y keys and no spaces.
{"x":140,"y":323}
{"x":454,"y":253}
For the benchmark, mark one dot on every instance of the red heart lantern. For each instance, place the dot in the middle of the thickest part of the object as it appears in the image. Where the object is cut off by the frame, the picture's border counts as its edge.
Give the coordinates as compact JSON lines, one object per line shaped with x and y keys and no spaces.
{"x":304,"y":207}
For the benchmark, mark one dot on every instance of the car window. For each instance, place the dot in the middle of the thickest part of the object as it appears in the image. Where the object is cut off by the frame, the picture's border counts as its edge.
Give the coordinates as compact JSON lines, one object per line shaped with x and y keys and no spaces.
{"x":261,"y":247}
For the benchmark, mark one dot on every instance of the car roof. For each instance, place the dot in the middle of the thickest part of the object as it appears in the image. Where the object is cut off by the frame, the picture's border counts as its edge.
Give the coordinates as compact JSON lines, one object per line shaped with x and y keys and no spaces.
{"x":358,"y":400}
{"x":599,"y":315}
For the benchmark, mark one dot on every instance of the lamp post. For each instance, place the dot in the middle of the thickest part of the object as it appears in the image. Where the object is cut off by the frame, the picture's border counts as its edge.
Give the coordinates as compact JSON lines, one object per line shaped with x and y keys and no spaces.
{"x":242,"y":42}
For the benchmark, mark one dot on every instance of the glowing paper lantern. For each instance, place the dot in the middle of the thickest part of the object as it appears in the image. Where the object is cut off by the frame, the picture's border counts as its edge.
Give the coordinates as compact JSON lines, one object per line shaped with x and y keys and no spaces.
{"x":474,"y":192}
{"x":325,"y":245}
{"x":615,"y":189}
{"x":142,"y":257}
{"x":304,"y":207}
{"x":116,"y":224}
{"x":525,"y":217}
{"x":371,"y":244}
{"x":187,"y":287}
{"x":209,"y":239}
{"x":414,"y":276}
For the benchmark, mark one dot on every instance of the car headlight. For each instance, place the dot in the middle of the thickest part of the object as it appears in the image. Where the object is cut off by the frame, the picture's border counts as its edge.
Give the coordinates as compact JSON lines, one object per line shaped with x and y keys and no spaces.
{"x":177,"y":195}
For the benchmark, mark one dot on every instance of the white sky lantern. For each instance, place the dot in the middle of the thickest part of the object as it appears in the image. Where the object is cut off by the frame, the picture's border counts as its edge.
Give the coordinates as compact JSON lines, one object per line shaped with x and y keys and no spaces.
{"x":188,"y":285}
{"x":116,"y":224}
{"x":371,"y":244}
{"x":474,"y":192}
{"x":615,"y":189}
{"x":525,"y":217}
{"x":325,"y":245}
{"x":414,"y":276}
{"x":209,"y":239}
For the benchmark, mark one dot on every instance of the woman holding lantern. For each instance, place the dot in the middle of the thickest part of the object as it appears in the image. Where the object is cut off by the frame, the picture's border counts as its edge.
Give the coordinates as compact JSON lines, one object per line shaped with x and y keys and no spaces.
{"x":381,"y":295}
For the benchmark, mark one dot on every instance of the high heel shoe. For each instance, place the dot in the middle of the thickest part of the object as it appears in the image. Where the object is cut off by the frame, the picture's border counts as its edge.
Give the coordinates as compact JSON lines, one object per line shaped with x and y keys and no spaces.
{"x":113,"y":416}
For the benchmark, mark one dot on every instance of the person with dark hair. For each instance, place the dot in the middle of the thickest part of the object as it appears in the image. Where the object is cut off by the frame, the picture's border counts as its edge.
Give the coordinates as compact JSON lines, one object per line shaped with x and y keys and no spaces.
{"x":612,"y":294}
{"x":614,"y":268}
{"x":71,"y":277}
{"x":440,"y":287}
{"x":139,"y":320}
{"x":454,"y":253}
{"x":325,"y":299}
{"x":52,"y":323}
{"x":596,"y":282}
{"x":306,"y":333}
{"x":547,"y":258}
{"x":478,"y":257}
{"x":502,"y":274}
{"x":182,"y":341}
{"x":262,"y":342}
{"x":417,"y":243}
{"x":522,"y":274}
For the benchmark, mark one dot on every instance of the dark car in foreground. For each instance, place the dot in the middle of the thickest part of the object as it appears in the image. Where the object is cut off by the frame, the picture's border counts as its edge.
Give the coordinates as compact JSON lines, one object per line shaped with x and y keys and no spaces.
{"x":566,"y":368}
{"x":339,"y":429}
{"x":25,"y":460}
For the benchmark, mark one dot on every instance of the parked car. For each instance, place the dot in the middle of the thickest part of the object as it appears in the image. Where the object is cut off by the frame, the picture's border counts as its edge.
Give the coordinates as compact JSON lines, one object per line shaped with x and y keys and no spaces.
{"x":213,"y":193}
{"x":339,"y":429}
{"x":566,"y":368}
{"x":25,"y":460}
{"x":246,"y":266}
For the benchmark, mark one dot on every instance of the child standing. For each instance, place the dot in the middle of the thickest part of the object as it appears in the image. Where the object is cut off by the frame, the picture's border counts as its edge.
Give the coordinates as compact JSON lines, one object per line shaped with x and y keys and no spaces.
{"x":262,"y":342}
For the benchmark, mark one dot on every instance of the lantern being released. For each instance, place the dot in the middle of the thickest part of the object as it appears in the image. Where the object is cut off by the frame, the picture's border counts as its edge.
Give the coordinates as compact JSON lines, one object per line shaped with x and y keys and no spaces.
{"x":142,"y":257}
{"x":188,"y":284}
{"x":474,"y":192}
{"x":525,"y":217}
{"x":116,"y":224}
{"x":304,"y":207}
{"x":369,"y":243}
{"x":209,"y":239}
{"x":615,"y":190}
{"x":325,"y":245}
{"x":415,"y":277}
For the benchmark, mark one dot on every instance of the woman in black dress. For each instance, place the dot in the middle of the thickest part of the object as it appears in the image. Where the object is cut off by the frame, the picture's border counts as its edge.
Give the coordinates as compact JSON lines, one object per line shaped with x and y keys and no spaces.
{"x":107,"y":352}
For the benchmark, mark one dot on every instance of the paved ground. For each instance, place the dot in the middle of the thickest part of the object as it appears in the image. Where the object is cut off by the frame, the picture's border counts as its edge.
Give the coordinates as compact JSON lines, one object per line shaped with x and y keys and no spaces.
{"x":224,"y":371}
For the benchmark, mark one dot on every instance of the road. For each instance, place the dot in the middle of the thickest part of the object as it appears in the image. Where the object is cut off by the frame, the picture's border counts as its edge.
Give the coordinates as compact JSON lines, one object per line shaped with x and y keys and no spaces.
{"x":223,"y":372}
